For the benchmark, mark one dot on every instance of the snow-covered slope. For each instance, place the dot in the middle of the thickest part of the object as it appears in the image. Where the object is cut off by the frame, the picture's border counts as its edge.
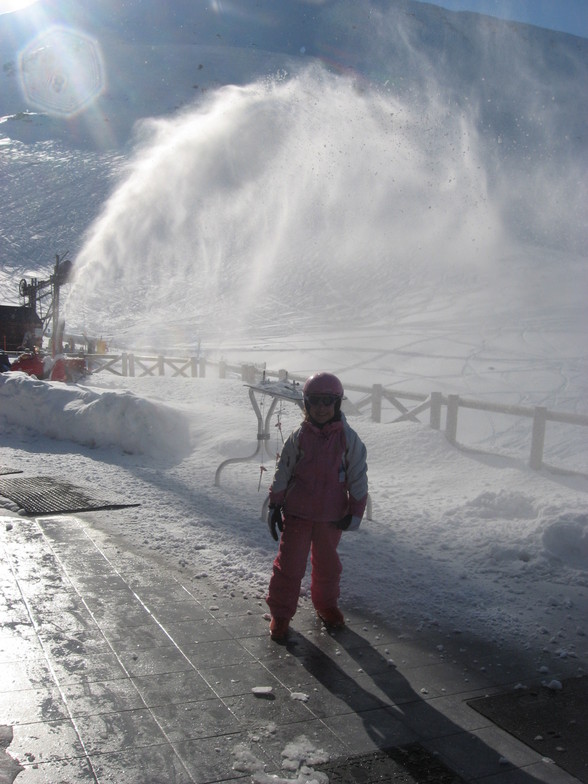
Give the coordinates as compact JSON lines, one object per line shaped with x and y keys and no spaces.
{"x":387,"y":190}
{"x":508,"y":97}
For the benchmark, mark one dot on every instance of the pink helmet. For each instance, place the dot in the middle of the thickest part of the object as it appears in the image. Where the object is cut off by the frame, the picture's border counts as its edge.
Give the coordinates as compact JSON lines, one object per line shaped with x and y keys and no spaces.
{"x":323,"y":384}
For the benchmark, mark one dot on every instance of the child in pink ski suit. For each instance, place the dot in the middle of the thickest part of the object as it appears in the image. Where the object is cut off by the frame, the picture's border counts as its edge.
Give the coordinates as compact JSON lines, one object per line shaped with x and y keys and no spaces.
{"x":319,"y":490}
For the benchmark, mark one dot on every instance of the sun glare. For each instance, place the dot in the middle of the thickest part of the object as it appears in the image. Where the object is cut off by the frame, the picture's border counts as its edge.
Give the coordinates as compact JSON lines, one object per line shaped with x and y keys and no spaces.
{"x":61,"y":71}
{"x":8,"y":6}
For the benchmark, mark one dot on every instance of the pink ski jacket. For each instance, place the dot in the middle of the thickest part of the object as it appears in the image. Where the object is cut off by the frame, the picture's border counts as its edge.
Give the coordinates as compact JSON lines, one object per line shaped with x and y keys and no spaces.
{"x":322,"y":474}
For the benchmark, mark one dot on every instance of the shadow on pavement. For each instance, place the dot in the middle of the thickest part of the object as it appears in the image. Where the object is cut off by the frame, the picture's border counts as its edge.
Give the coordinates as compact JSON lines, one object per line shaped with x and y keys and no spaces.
{"x":400,"y":722}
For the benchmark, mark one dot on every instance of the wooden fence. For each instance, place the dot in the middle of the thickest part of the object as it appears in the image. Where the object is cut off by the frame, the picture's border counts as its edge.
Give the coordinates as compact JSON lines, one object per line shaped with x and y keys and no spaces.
{"x":409,"y":405}
{"x":126,"y":364}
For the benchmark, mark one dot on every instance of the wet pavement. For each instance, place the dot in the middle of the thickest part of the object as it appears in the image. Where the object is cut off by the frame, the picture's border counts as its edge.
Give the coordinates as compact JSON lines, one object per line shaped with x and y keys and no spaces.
{"x":112,"y":670}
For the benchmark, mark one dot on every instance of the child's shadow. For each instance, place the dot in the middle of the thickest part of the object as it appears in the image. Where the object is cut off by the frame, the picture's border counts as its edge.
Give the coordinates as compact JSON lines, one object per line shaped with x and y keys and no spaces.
{"x":399,"y":719}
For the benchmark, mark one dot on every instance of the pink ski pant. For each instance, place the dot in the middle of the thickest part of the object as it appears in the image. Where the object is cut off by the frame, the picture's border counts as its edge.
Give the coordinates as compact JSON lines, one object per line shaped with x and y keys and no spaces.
{"x":298,"y":538}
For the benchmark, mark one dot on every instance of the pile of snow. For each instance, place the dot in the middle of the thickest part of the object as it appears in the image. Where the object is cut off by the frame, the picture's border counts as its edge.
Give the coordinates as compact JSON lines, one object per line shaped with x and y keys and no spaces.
{"x":298,"y":758}
{"x":84,"y":416}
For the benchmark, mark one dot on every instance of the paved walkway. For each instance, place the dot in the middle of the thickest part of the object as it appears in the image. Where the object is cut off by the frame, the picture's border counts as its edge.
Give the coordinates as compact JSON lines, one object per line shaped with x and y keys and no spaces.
{"x":112,"y":671}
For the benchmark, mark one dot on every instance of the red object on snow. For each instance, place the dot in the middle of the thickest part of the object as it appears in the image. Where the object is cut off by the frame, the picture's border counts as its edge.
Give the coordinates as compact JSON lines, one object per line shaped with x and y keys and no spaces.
{"x":31,"y":363}
{"x":59,"y":370}
{"x":63,"y":369}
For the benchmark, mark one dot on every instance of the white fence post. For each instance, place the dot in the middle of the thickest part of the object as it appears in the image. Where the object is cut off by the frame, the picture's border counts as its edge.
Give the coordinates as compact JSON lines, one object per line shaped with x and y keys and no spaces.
{"x":131,"y":365}
{"x":538,"y":437}
{"x":377,"y":403}
{"x":451,"y":423}
{"x":436,"y":402}
{"x":160,"y":366}
{"x":125,"y":364}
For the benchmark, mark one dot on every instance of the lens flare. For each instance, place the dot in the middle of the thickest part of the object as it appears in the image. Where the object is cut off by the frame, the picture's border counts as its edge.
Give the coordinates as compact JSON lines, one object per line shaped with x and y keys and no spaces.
{"x":9,"y":6}
{"x":61,"y":71}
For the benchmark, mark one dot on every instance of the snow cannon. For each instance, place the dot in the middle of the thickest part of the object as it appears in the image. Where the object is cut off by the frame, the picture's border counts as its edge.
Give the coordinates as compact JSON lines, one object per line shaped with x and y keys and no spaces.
{"x":46,"y":368}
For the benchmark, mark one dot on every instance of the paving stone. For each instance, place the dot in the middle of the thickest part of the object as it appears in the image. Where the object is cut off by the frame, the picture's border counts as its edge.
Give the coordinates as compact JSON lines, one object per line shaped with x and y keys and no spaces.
{"x":110,"y":667}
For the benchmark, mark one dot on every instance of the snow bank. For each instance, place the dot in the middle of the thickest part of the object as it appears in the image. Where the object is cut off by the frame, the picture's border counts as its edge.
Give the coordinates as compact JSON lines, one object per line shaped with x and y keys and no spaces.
{"x":93,"y":418}
{"x":567,"y":540}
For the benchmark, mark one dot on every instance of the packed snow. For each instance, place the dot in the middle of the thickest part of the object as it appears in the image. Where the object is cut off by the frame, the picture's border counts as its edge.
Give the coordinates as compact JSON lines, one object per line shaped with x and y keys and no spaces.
{"x":406,"y":208}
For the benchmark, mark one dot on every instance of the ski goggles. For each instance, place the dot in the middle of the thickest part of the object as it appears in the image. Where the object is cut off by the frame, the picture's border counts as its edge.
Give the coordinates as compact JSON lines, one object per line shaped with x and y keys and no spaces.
{"x":325,"y":400}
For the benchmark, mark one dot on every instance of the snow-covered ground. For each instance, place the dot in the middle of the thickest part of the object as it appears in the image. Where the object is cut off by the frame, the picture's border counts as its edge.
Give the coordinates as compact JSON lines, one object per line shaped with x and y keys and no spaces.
{"x":458,"y":541}
{"x":392,"y":192}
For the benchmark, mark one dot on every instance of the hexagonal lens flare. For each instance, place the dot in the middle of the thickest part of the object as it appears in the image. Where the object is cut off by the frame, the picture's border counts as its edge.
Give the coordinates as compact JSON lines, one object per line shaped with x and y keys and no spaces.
{"x":61,"y":71}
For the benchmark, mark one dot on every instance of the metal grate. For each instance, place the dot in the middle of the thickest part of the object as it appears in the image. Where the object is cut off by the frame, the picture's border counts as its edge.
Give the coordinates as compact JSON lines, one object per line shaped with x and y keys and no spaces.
{"x":409,"y":764}
{"x":44,"y":495}
{"x":553,"y":722}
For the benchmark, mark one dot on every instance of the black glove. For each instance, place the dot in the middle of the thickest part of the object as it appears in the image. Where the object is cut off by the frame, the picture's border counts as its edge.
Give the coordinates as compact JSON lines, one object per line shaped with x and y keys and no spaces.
{"x":275,"y":521}
{"x":344,"y":522}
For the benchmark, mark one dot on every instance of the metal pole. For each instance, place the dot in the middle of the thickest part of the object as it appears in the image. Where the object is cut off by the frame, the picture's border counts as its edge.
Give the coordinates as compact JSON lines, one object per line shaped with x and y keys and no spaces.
{"x":56,"y":341}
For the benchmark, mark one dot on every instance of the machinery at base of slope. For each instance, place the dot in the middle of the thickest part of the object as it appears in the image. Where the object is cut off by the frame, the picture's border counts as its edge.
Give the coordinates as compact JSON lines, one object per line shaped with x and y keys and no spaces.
{"x":22,"y":329}
{"x":50,"y":368}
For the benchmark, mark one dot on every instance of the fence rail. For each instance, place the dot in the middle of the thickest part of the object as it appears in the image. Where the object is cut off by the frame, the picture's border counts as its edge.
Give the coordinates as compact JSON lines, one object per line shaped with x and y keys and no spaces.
{"x":128,"y":364}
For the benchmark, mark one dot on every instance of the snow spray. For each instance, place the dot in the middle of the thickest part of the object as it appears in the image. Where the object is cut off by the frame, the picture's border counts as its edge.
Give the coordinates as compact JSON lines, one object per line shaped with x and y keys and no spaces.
{"x":284,"y":204}
{"x":315,"y":199}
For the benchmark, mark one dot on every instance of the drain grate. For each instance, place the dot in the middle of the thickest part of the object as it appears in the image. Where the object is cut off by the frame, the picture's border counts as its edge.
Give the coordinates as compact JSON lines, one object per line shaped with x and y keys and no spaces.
{"x":551,"y":721}
{"x":409,"y":764}
{"x":44,"y":495}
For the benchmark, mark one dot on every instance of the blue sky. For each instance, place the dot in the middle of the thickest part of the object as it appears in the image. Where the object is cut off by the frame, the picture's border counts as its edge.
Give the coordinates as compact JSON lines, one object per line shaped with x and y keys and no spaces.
{"x":569,"y":16}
